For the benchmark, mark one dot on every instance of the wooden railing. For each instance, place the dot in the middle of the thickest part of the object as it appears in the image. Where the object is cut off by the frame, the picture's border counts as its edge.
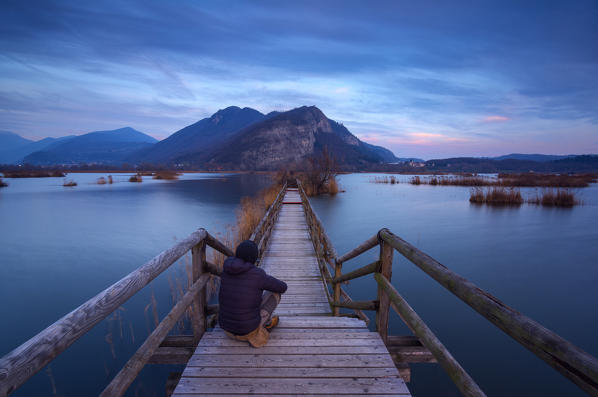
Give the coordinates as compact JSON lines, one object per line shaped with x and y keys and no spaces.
{"x":572,"y":362}
{"x":262,"y":232}
{"x":26,"y":360}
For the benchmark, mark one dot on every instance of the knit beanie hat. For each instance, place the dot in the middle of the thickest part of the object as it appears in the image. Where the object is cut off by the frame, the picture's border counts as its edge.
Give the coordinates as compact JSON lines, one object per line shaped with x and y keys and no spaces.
{"x":247,"y":251}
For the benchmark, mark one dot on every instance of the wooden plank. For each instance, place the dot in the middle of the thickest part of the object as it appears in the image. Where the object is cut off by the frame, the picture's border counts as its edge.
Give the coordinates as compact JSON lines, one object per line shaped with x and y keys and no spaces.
{"x":262,"y":386}
{"x":308,"y":333}
{"x":291,"y":350}
{"x":224,"y":372}
{"x":171,"y":355}
{"x":287,"y":360}
{"x":287,"y":341}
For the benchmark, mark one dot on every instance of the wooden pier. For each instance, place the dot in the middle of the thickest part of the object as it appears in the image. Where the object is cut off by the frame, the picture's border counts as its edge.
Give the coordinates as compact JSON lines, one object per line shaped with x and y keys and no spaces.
{"x":324,"y":344}
{"x":310,"y":352}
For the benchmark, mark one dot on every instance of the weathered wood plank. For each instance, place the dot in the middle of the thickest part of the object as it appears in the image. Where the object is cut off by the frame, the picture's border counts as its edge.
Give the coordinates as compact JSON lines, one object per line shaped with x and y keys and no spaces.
{"x":287,"y":341}
{"x":364,"y":386}
{"x":224,"y":372}
{"x":287,"y":360}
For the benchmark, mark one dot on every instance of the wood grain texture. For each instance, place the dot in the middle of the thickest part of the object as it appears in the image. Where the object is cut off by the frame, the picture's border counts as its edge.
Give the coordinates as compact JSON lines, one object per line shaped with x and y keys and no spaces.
{"x":310,"y":351}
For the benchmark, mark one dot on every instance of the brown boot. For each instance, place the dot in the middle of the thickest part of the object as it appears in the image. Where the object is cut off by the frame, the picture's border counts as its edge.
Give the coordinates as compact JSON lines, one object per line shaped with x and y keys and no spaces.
{"x":271,"y":324}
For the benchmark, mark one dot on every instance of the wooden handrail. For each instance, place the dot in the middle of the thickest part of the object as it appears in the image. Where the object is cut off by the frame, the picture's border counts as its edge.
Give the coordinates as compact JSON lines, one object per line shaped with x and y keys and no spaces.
{"x":362,"y":271}
{"x":462,"y":380}
{"x":360,"y":249}
{"x":119,"y":384}
{"x":571,"y":361}
{"x":19,"y":365}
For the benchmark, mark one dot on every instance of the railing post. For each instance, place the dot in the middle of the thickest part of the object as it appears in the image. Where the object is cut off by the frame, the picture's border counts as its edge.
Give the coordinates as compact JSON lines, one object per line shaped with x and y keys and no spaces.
{"x":198,"y":267}
{"x":338,"y":266}
{"x":382,"y":313}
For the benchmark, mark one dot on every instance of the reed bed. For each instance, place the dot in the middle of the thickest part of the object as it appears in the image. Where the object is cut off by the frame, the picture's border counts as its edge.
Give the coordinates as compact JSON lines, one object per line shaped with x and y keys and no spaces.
{"x":555,"y":198}
{"x":70,"y":183}
{"x":166,"y":175}
{"x":101,"y":181}
{"x":137,"y":178}
{"x":416,"y":180}
{"x":2,"y":183}
{"x":392,"y":180}
{"x":496,"y":196}
{"x":547,"y":180}
{"x":34,"y":174}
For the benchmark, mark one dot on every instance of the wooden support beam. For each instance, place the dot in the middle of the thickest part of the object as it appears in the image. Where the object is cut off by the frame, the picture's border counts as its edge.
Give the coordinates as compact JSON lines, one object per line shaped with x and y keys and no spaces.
{"x":360,"y":305}
{"x":571,"y":361}
{"x":462,"y":380}
{"x":179,"y":355}
{"x":178,"y":341}
{"x":218,"y":246}
{"x":337,"y":288}
{"x":118,"y":386}
{"x":26,"y":360}
{"x":382,"y":314}
{"x":362,"y":271}
{"x":198,"y":268}
{"x":363,"y":247}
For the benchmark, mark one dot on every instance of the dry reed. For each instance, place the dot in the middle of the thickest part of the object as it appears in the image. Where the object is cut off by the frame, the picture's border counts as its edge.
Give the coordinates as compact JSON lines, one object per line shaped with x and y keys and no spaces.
{"x":2,"y":183}
{"x":558,"y":198}
{"x":497,"y":196}
{"x":70,"y":183}
{"x":546,"y":180}
{"x":167,"y":175}
{"x":416,"y":180}
{"x":136,"y":178}
{"x":392,"y":180}
{"x":101,"y":181}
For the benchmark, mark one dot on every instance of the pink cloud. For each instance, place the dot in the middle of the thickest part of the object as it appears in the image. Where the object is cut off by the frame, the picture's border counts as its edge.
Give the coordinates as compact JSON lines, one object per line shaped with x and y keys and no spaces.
{"x":496,"y":119}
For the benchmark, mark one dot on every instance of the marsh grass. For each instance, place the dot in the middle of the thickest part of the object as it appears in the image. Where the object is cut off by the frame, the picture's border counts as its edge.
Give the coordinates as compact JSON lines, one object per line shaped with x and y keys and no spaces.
{"x":34,"y":174}
{"x":70,"y":183}
{"x":2,"y":183}
{"x":101,"y":181}
{"x":166,"y":175}
{"x":392,"y":180}
{"x":555,"y":198}
{"x":546,"y":180}
{"x":496,"y":196}
{"x":416,"y":180}
{"x":136,"y":178}
{"x":110,"y":181}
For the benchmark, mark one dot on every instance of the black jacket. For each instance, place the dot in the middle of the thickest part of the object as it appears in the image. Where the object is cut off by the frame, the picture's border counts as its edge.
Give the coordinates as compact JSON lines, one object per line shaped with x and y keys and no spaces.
{"x":241,"y":288}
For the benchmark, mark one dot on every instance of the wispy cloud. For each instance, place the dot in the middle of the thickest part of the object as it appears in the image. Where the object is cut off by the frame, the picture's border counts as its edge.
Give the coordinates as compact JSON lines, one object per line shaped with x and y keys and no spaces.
{"x":495,"y":119}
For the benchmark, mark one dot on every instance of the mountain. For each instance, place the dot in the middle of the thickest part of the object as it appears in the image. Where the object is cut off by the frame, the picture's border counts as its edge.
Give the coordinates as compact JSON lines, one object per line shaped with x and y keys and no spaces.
{"x":105,"y":147}
{"x":200,"y":136}
{"x":10,"y":140}
{"x":532,"y":157}
{"x":288,"y":137}
{"x":16,"y":155}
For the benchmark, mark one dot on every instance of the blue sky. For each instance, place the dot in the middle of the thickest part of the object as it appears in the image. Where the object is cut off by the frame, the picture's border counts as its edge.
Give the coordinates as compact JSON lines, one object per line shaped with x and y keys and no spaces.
{"x":423,"y":78}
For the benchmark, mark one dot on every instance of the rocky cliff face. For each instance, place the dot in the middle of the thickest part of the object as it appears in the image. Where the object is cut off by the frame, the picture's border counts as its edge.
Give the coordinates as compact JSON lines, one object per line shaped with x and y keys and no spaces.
{"x":288,"y":137}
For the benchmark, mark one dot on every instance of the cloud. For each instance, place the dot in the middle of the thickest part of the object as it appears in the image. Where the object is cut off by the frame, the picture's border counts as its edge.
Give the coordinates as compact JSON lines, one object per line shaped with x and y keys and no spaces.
{"x":495,"y":119}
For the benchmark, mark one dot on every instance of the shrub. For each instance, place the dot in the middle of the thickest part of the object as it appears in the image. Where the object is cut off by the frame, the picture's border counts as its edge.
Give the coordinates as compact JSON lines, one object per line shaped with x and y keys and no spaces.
{"x":167,"y":175}
{"x":496,"y":196}
{"x":136,"y":178}
{"x":558,"y":198}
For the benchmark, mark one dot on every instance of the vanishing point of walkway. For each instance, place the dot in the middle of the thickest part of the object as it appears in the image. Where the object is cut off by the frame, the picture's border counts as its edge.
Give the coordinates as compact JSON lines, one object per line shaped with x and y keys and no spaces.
{"x":310,"y":352}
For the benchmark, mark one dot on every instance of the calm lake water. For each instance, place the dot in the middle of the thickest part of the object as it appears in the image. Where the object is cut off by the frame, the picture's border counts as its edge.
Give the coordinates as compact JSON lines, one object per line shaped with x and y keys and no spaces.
{"x":60,"y":246}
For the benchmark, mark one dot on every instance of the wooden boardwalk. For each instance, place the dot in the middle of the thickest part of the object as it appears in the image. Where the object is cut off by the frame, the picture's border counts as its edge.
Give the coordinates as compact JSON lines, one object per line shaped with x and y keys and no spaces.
{"x":310,"y":352}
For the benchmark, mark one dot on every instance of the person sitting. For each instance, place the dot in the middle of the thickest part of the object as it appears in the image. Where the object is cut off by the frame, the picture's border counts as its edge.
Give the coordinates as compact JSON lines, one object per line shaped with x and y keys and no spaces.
{"x":248,"y":297}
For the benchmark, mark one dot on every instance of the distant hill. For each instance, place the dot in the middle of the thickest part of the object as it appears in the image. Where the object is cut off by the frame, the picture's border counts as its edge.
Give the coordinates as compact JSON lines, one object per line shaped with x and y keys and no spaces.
{"x":102,"y":147}
{"x":288,"y":137}
{"x":16,"y":155}
{"x":582,"y":163}
{"x":532,"y":157}
{"x":200,"y":136}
